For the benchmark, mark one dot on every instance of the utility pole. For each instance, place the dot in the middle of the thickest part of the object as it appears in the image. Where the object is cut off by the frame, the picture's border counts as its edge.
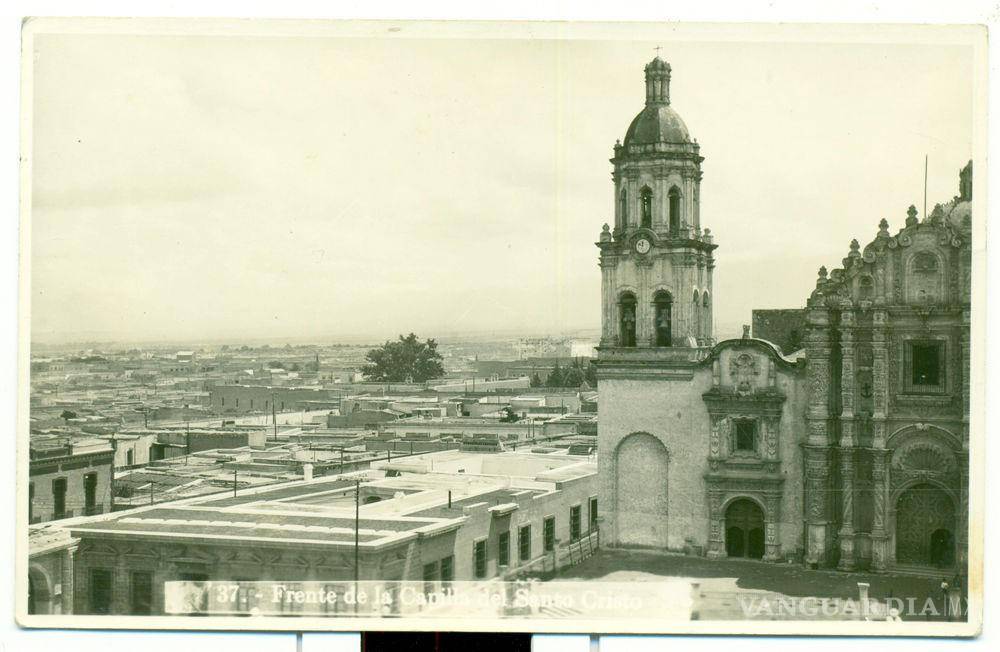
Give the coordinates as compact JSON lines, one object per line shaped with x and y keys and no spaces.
{"x":111,"y":481}
{"x":274,"y":416}
{"x":357,"y":544}
{"x":234,"y":482}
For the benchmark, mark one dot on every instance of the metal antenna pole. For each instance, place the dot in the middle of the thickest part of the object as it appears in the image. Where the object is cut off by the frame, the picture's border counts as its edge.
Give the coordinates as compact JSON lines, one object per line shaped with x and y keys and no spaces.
{"x":925,"y":186}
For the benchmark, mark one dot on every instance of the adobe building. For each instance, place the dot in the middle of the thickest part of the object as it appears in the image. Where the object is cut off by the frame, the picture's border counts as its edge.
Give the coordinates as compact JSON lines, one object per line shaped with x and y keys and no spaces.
{"x":845,"y":444}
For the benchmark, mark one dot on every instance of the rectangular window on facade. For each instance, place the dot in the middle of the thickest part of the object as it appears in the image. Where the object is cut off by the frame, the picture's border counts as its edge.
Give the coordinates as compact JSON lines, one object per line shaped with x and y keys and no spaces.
{"x":59,"y":498}
{"x":524,"y":543}
{"x":746,"y":436}
{"x":430,"y":576}
{"x":479,"y":559}
{"x":90,"y":494}
{"x":593,"y":513}
{"x":925,"y":364}
{"x":574,"y":522}
{"x":503,"y":549}
{"x":141,"y":593}
{"x":549,"y":533}
{"x":100,"y":591}
{"x":447,"y":571}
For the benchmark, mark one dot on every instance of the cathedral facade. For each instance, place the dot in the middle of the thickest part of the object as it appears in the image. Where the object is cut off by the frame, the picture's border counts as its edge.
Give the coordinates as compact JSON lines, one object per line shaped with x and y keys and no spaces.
{"x":851,"y":451}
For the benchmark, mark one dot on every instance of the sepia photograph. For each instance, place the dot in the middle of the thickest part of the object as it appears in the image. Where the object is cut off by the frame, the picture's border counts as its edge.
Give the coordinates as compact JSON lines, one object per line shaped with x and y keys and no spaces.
{"x":523,"y":327}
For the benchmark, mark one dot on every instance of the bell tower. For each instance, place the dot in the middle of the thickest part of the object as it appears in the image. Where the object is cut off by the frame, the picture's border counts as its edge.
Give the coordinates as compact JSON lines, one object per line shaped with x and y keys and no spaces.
{"x":656,"y":263}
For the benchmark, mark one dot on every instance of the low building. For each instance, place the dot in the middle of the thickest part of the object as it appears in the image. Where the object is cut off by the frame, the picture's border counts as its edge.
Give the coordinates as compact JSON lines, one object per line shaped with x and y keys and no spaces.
{"x":430,"y":519}
{"x":243,"y":398}
{"x":68,"y":477}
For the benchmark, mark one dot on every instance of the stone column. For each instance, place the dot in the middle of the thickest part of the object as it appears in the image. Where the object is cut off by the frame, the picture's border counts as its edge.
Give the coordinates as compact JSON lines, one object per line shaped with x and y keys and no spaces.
{"x":847,"y":561}
{"x":609,"y":307}
{"x":67,"y":581}
{"x":966,"y":371}
{"x":709,"y":267}
{"x":848,"y":440}
{"x":643,"y":304}
{"x":962,"y":540}
{"x":716,"y":538}
{"x":880,"y":458}
{"x":684,"y":266}
{"x":696,"y":196}
{"x":772,"y":544}
{"x":880,"y":481}
{"x":817,"y":449}
{"x":121,"y":600}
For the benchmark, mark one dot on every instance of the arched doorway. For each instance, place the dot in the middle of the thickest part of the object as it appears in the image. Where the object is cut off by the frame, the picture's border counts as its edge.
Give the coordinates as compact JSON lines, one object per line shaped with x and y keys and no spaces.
{"x":925,"y":527}
{"x":641,"y":468}
{"x":744,"y":529}
{"x":39,"y":593}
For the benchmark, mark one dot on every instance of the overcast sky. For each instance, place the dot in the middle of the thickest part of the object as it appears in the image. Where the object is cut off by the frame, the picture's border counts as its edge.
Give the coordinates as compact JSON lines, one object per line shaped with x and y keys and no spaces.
{"x":286,"y":187}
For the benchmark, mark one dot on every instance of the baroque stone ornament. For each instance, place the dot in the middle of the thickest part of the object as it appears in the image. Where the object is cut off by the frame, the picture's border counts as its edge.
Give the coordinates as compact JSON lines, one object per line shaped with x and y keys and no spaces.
{"x":922,"y":457}
{"x":743,"y":371}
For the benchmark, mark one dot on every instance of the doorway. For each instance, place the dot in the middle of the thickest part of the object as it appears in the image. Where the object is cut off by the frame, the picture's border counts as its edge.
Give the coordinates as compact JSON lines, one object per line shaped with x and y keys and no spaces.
{"x":745,"y":530}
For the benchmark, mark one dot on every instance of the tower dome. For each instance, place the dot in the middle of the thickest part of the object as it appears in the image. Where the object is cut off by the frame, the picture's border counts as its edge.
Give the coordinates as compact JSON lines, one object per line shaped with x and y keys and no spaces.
{"x":657,"y":261}
{"x":657,"y":122}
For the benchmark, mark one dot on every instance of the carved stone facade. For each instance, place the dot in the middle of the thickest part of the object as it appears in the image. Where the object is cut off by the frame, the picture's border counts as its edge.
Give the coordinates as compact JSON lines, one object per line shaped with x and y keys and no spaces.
{"x":889,"y":367}
{"x":863,"y":434}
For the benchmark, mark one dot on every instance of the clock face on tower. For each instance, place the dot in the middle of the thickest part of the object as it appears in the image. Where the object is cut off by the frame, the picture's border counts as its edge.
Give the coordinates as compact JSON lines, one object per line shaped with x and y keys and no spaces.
{"x":642,"y":246}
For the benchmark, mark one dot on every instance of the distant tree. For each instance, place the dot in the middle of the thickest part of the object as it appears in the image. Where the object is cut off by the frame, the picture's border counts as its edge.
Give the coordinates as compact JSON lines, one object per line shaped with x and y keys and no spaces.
{"x":572,"y":377}
{"x":405,"y":360}
{"x":536,"y":380}
{"x":509,"y":415}
{"x":295,"y":367}
{"x":276,"y":364}
{"x":555,"y":378}
{"x":67,"y":415}
{"x":590,"y":373}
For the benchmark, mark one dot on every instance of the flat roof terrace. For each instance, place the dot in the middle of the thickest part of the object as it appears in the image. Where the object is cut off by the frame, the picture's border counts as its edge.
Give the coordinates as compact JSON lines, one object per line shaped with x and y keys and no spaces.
{"x":264,"y":526}
{"x":490,"y":499}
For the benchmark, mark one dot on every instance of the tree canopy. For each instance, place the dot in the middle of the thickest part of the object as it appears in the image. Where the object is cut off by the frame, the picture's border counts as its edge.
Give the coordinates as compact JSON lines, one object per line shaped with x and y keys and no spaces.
{"x":574,"y":375}
{"x":406,"y":360}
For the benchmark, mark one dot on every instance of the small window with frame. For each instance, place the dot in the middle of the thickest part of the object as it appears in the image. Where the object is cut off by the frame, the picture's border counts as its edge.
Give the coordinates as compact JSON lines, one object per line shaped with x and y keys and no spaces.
{"x":745,"y":437}
{"x":925,"y":367}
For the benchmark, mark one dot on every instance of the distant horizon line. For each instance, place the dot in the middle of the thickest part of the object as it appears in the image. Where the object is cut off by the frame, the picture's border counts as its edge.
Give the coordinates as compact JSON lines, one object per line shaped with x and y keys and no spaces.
{"x":347,"y":338}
